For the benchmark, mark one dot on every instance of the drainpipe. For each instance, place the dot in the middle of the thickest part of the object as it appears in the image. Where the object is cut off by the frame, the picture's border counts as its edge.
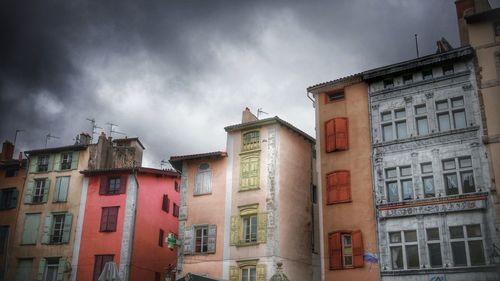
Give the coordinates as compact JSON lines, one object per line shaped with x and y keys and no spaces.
{"x":134,"y":173}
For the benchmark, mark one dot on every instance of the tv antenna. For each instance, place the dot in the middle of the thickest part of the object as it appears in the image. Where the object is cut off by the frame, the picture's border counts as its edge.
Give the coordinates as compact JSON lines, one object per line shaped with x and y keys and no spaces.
{"x":94,"y":127}
{"x":259,"y":112}
{"x":416,"y":44}
{"x":48,"y":137}
{"x":111,"y":131}
{"x":164,"y":163}
{"x":15,"y":136}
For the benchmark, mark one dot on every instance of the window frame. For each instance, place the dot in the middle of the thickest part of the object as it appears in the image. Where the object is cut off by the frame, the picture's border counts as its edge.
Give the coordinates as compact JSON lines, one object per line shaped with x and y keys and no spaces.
{"x":248,"y":269}
{"x":393,"y":124}
{"x":109,"y":226}
{"x":248,"y":229}
{"x":104,"y":258}
{"x":175,"y":211}
{"x":203,"y":239}
{"x":57,"y":228}
{"x":43,"y":161}
{"x":340,"y":96}
{"x":404,"y":245}
{"x":458,"y":172}
{"x":399,"y":179}
{"x":432,"y":242}
{"x":39,"y":190}
{"x":203,"y":180}
{"x":250,"y":140}
{"x":451,"y":112}
{"x":466,"y":239}
{"x":427,"y":175}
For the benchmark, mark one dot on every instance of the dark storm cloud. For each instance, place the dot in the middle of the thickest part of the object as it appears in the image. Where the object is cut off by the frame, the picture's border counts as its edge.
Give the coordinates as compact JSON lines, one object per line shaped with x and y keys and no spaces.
{"x":175,"y":73}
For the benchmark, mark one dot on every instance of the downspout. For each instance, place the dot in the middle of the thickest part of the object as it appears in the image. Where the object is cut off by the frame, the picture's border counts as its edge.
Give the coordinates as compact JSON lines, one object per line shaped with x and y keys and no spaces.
{"x":134,"y":173}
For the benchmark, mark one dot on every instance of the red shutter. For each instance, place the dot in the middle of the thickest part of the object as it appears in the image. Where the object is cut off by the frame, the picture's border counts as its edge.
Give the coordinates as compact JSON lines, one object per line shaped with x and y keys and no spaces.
{"x":330,"y":135}
{"x":341,"y":134}
{"x":103,"y":187}
{"x":112,"y":218}
{"x":335,"y":249}
{"x":104,"y":219}
{"x":344,"y":186}
{"x":160,"y":238}
{"x":123,"y":184}
{"x":357,"y":248}
{"x":331,"y":187}
{"x":165,"y":203}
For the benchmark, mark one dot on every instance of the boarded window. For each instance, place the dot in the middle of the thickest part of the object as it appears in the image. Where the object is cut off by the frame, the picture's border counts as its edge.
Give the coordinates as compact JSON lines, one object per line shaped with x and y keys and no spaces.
{"x":338,"y":187}
{"x":109,"y":218}
{"x":336,"y":134}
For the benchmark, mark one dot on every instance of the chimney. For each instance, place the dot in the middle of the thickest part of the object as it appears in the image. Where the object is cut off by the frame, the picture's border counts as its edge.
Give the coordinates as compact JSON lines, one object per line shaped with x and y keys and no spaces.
{"x":7,"y":150}
{"x":84,"y":138}
{"x":466,"y":8}
{"x":247,"y":116}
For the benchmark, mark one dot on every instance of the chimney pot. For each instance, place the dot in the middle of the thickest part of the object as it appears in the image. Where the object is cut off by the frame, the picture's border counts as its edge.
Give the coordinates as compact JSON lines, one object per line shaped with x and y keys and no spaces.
{"x":7,"y":150}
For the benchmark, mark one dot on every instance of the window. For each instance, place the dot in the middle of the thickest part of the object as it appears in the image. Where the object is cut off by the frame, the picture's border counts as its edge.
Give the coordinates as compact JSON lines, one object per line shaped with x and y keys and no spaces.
{"x":394,"y":128}
{"x":434,"y":247}
{"x":428,"y":180}
{"x":427,"y":74}
{"x":30,"y":229}
{"x":201,"y":239}
{"x":448,"y":69}
{"x":399,"y":183}
{"x":497,"y":28}
{"x":251,"y":141}
{"x":8,"y":198}
{"x":248,"y":273}
{"x":346,"y":250}
{"x":177,"y":187}
{"x":56,"y":229}
{"x":388,"y":83}
{"x":43,"y":163}
{"x":109,"y":218}
{"x":314,"y":194}
{"x":111,"y":185}
{"x":338,"y":187}
{"x":203,"y":180}
{"x":250,"y":229}
{"x":250,"y":166}
{"x":40,"y":191}
{"x":11,"y":172}
{"x":165,"y":204}
{"x":66,"y":160}
{"x":335,"y":96}
{"x":455,"y":169}
{"x":407,"y":78}
{"x":161,"y":235}
{"x":467,"y":245}
{"x":23,"y":270}
{"x":176,"y":211}
{"x":51,"y":269}
{"x":248,"y":270}
{"x":451,"y":117}
{"x":336,"y":134}
{"x":4,"y":236}
{"x":61,"y":192}
{"x":421,"y":119}
{"x":404,"y":249}
{"x":99,"y":262}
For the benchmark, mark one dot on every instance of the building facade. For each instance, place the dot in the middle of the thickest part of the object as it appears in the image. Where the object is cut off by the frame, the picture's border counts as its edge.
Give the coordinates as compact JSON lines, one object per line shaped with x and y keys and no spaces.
{"x":435,"y":210}
{"x":345,"y":180}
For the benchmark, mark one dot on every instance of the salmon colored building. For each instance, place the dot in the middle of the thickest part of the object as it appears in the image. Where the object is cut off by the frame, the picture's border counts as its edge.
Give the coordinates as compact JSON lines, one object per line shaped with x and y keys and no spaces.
{"x":343,"y":161}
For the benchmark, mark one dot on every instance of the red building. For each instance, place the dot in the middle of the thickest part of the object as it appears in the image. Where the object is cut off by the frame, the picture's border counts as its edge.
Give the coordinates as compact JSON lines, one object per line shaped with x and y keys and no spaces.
{"x":128,"y":213}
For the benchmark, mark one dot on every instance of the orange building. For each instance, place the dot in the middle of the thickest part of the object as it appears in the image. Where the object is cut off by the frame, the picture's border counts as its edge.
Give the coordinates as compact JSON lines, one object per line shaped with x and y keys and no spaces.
{"x":343,"y":161}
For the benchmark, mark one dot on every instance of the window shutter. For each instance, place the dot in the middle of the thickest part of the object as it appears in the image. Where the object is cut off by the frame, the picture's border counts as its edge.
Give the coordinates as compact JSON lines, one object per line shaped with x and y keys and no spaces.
{"x":112,"y":218}
{"x":330,"y":135}
{"x":188,"y":240}
{"x":234,"y":273}
{"x":41,"y":269}
{"x":74,"y":160}
{"x":261,"y":272}
{"x":60,"y":270}
{"x":344,"y":183}
{"x":47,"y":229}
{"x":103,"y":185}
{"x":165,"y":203}
{"x":123,"y":184}
{"x":46,"y":189}
{"x":30,"y":231}
{"x":235,"y":231}
{"x":357,"y":248}
{"x":104,"y":219}
{"x":335,"y":249}
{"x":57,"y":162}
{"x":98,"y":265}
{"x":57,"y":189}
{"x":341,"y":134}
{"x":67,"y":227}
{"x":212,"y":237}
{"x":261,"y":227}
{"x":13,"y":200}
{"x":63,"y":189}
{"x":51,"y":163}
{"x":331,"y":187}
{"x":28,"y":198}
{"x":160,"y":237}
{"x":33,"y":164}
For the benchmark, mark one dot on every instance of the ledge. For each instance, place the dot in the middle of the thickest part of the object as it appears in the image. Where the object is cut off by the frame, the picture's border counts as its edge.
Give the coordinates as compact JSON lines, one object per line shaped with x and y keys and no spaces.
{"x":441,"y":270}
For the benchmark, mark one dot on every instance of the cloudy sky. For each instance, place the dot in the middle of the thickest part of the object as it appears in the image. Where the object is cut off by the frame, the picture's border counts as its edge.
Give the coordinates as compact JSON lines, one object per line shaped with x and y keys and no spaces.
{"x":174,"y":73}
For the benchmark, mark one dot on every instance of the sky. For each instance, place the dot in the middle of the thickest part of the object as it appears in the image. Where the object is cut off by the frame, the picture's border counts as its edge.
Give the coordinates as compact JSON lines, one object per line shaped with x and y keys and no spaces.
{"x":175,"y":73}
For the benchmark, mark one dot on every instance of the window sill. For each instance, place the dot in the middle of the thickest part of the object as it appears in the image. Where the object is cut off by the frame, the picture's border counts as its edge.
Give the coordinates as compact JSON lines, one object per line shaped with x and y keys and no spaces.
{"x":107,"y":231}
{"x":35,"y":203}
{"x":339,"y":202}
{"x":28,"y":244}
{"x":244,"y":244}
{"x":250,"y":151}
{"x":441,"y":270}
{"x":56,"y":202}
{"x":344,"y":268}
{"x":249,"y":189}
{"x":202,"y":194}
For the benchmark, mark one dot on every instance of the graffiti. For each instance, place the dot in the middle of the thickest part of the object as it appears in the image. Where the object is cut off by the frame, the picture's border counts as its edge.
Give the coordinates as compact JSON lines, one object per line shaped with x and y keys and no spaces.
{"x":432,"y":209}
{"x":436,"y":278}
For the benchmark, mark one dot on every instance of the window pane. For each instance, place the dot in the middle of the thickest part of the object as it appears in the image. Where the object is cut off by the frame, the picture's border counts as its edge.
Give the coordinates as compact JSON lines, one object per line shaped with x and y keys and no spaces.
{"x":432,"y":234}
{"x":429,"y":190}
{"x":451,"y":184}
{"x":397,"y":257}
{"x":389,"y":83}
{"x":410,"y":236}
{"x":387,"y":132}
{"x":395,"y":237}
{"x":427,"y":74}
{"x":420,"y":109}
{"x":392,"y":192}
{"x":476,"y":252}
{"x":457,"y":102}
{"x":386,"y":116}
{"x":458,"y":250}
{"x":465,"y":162}
{"x":459,"y":119}
{"x":473,"y":230}
{"x":449,"y":164}
{"x":407,"y":189}
{"x":447,"y":69}
{"x":405,"y":171}
{"x":401,"y":128}
{"x":435,"y":255}
{"x":441,"y":105}
{"x":456,"y":232}
{"x":467,"y":182}
{"x":400,"y":113}
{"x":390,"y":173}
{"x":412,"y":260}
{"x":422,"y":127}
{"x":408,"y":78}
{"x":426,"y":167}
{"x":252,"y":274}
{"x":444,"y":122}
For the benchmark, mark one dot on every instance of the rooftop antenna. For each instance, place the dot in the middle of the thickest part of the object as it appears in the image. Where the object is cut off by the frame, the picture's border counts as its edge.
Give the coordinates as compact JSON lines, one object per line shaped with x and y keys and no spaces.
{"x":259,"y":111}
{"x":94,"y":127}
{"x":111,"y":131}
{"x":416,"y":44}
{"x":164,"y":163}
{"x":49,"y":136}
{"x":15,"y":136}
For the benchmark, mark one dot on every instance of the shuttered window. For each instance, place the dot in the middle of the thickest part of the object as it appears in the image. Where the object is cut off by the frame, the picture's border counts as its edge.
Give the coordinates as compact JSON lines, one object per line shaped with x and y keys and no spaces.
{"x":161,"y":235}
{"x":57,"y":228}
{"x":165,"y":204}
{"x":109,"y":218}
{"x":30,"y":230}
{"x":37,"y":191}
{"x":8,"y":198}
{"x":51,"y":269}
{"x":175,"y":212}
{"x":23,"y":270}
{"x":338,"y":187}
{"x":345,"y":249}
{"x":4,"y":237}
{"x":61,"y":190}
{"x":336,"y":134}
{"x":111,"y":185}
{"x":250,"y":166}
{"x":100,"y":261}
{"x":200,"y":239}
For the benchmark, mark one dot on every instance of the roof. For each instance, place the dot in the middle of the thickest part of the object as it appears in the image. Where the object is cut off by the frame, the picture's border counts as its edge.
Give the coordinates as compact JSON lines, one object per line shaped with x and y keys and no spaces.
{"x":490,"y":15}
{"x":267,"y":121}
{"x":194,"y":277}
{"x":347,"y":79}
{"x":129,"y":170}
{"x":74,"y":147}
{"x":12,"y":163}
{"x":215,"y":154}
{"x":129,"y":139}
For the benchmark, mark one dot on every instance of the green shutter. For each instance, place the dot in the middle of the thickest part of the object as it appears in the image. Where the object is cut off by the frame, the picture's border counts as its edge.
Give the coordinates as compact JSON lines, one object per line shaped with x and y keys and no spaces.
{"x":60,"y":270}
{"x":234,"y":273}
{"x":13,"y":200}
{"x":41,"y":269}
{"x":67,"y":227}
{"x":30,"y":231}
{"x":61,"y":189}
{"x":47,"y":227}
{"x":235,"y":231}
{"x":57,"y":189}
{"x":57,"y":162}
{"x":33,"y":163}
{"x":261,"y":227}
{"x":46,"y":190}
{"x":51,"y":163}
{"x":74,"y":160}
{"x":28,"y":198}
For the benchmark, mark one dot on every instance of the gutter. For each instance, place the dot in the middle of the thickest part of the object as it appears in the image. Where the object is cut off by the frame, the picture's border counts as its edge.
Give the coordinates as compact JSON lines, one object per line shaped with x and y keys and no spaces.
{"x":132,"y":234}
